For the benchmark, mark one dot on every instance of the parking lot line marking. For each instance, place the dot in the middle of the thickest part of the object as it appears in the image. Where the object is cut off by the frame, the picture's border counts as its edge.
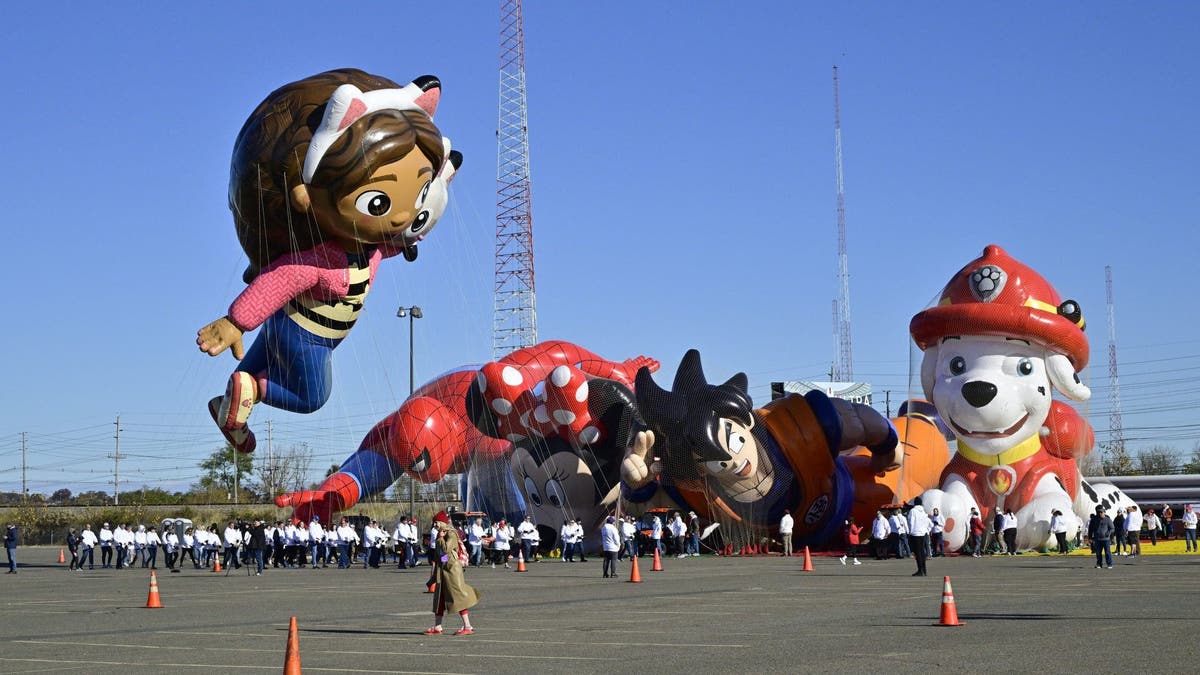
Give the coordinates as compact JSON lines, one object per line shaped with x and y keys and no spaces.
{"x":214,"y":634}
{"x":324,"y":651}
{"x":58,"y":602}
{"x":665,"y":611}
{"x":275,"y":668}
{"x":57,"y":668}
{"x":594,"y":629}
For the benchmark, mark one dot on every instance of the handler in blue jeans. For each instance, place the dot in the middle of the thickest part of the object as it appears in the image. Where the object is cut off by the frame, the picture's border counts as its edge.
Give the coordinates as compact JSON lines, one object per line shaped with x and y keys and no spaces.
{"x":10,"y":547}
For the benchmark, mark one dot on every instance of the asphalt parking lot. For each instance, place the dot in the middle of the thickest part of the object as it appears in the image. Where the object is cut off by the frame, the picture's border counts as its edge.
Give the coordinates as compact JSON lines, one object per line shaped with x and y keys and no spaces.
{"x":699,"y":615}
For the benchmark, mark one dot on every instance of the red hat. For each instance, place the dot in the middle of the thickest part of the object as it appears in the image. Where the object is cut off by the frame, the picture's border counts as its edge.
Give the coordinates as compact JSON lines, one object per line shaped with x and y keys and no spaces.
{"x":998,"y":295}
{"x":441,"y":517}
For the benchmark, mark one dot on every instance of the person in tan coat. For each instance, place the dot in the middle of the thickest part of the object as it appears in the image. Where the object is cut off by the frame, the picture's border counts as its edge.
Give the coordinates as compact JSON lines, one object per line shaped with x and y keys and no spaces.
{"x":452,"y":591}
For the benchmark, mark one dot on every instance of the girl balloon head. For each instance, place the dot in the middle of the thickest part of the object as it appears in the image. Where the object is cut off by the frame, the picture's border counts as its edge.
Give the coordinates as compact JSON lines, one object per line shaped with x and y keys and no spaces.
{"x":307,"y":165}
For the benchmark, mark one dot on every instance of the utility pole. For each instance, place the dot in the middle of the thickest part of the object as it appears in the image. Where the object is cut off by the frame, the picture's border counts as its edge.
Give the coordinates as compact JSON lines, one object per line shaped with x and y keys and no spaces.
{"x":233,"y":454}
{"x":24,"y":482}
{"x":270,"y":472}
{"x":117,"y":465}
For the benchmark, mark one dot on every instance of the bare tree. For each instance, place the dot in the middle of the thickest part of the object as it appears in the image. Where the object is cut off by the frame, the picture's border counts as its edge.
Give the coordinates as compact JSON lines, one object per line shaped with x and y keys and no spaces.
{"x":285,"y":471}
{"x":1158,"y":460}
{"x":1193,"y":463}
{"x":1116,"y":462}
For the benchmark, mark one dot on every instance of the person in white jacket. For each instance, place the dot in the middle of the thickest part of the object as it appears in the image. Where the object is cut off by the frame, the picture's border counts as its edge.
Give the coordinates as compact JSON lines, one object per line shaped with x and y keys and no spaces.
{"x":150,"y":554}
{"x":786,"y":524}
{"x":678,"y":531}
{"x":400,"y":535}
{"x":300,"y":539}
{"x":899,"y":533}
{"x":377,"y":545}
{"x":88,"y":541}
{"x":565,"y":535}
{"x":1010,"y":531}
{"x":502,"y":543}
{"x":918,"y":535}
{"x":610,"y":543}
{"x":880,"y":529}
{"x":579,"y":537}
{"x":347,"y":537}
{"x":139,"y":547}
{"x":656,"y":530}
{"x":527,"y":533}
{"x":475,"y":542}
{"x":1152,"y":524}
{"x":233,"y":541}
{"x":629,"y":536}
{"x":1058,"y":527}
{"x":1133,"y":530}
{"x":1189,"y":528}
{"x":106,"y":546}
{"x":316,"y":543}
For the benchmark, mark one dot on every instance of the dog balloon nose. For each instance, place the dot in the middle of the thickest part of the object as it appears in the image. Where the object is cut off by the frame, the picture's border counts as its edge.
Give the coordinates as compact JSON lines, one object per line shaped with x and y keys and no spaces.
{"x":979,"y":393}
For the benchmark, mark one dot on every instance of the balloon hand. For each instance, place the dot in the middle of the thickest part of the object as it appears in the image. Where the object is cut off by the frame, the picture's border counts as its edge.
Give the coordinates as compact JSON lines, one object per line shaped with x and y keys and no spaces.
{"x":220,"y":335}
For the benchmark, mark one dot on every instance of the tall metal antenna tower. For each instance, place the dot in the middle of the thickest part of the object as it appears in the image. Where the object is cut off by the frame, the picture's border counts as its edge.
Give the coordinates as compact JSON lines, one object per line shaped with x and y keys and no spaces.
{"x":1116,"y":431}
{"x":844,"y":370}
{"x":515,"y":318}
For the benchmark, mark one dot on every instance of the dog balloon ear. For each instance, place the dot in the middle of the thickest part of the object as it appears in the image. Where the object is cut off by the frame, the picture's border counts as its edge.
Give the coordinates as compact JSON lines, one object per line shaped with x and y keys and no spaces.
{"x":928,"y":370}
{"x":1065,"y":379}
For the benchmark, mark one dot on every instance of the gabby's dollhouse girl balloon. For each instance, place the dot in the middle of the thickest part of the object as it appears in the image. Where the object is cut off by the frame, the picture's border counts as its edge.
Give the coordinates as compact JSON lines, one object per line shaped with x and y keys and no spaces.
{"x":330,"y":175}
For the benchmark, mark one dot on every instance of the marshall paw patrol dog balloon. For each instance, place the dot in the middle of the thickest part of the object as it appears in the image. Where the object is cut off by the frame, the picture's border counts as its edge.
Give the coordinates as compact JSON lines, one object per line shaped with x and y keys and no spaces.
{"x":997,"y":346}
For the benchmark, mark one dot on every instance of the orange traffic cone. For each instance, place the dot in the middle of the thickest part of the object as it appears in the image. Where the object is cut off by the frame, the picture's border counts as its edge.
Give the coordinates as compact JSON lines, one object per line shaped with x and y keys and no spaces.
{"x":153,"y":601}
{"x":216,"y":563}
{"x":61,"y":558}
{"x":949,"y":609}
{"x":635,"y":577}
{"x":291,"y":658}
{"x":807,"y":561}
{"x":521,"y":561}
{"x":657,"y":567}
{"x":431,"y":587}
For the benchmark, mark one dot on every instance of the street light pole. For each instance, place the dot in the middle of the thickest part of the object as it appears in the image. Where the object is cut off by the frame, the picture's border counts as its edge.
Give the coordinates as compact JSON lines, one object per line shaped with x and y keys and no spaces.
{"x":411,"y":313}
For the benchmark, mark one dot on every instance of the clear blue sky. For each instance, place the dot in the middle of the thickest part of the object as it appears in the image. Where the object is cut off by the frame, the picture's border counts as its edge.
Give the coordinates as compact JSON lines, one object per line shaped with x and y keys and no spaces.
{"x":683,"y":196}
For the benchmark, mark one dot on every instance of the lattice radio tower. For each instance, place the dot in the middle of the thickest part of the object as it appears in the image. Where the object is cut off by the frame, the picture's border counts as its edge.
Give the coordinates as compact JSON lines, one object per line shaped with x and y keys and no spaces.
{"x":515,"y":318}
{"x":843,"y":370}
{"x":1116,"y":431}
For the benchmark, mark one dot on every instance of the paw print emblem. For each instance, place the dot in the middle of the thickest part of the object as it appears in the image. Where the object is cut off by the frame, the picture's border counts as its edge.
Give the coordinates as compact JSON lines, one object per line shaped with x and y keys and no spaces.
{"x":987,"y":282}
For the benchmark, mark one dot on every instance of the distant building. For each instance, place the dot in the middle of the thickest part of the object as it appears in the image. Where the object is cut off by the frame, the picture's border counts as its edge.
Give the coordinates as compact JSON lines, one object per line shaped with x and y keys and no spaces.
{"x":855,"y":392}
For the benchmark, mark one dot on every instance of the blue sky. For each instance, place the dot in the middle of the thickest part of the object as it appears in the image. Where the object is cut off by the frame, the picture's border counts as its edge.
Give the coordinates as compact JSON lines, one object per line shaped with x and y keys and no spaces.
{"x":683,"y":196}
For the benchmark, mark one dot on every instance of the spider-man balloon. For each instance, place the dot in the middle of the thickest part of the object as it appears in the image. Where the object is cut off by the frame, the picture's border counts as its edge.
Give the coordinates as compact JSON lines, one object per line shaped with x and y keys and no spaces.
{"x":430,"y":435}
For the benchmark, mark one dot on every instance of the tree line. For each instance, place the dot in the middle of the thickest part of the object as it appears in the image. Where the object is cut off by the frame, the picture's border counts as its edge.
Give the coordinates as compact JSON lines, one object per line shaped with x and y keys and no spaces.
{"x":226,"y":476}
{"x":1157,"y":460}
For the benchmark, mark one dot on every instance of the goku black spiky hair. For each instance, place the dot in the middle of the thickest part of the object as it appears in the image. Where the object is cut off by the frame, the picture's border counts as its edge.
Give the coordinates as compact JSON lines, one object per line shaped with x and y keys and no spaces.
{"x":686,"y":420}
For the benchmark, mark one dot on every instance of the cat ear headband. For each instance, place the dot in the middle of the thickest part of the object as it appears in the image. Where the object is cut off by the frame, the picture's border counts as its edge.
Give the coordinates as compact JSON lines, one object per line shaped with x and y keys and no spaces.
{"x":348,"y":103}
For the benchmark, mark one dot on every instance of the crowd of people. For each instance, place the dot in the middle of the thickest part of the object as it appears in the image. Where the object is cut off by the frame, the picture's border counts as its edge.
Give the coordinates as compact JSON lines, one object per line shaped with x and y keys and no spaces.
{"x":299,"y":544}
{"x":895,"y":533}
{"x":255,"y":543}
{"x":911,"y":532}
{"x":899,"y":534}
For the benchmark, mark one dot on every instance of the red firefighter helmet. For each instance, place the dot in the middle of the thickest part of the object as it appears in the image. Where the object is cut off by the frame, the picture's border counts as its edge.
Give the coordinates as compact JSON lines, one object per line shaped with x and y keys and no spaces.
{"x":998,"y":295}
